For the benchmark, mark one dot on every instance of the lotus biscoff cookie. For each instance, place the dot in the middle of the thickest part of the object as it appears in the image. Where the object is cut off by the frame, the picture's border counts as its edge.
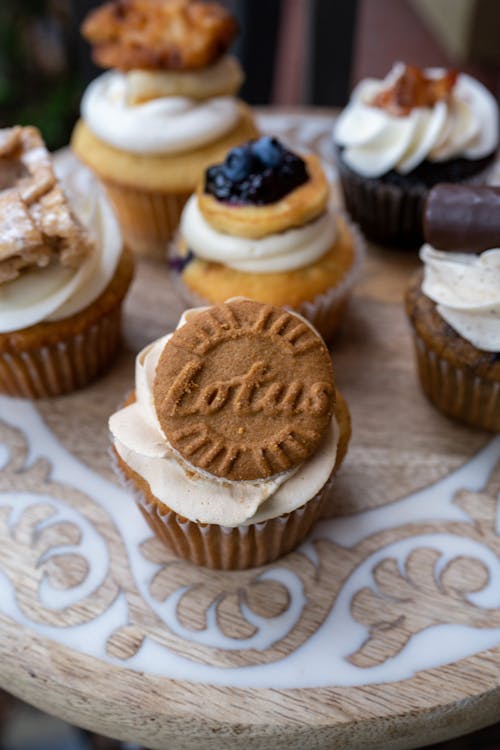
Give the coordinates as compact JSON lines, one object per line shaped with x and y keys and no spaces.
{"x":233,"y":433}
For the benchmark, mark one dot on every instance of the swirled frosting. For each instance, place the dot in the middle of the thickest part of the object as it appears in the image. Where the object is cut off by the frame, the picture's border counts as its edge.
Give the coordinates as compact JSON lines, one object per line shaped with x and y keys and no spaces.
{"x":376,"y":141}
{"x":466,"y":289}
{"x":283,"y":251}
{"x":169,"y":124}
{"x":54,"y":293}
{"x":197,"y":495}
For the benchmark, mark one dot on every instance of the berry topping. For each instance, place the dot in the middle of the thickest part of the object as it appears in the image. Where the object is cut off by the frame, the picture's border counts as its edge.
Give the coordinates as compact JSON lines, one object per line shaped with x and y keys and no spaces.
{"x":238,"y":164}
{"x":269,"y":150}
{"x":179,"y":262}
{"x":257,"y":173}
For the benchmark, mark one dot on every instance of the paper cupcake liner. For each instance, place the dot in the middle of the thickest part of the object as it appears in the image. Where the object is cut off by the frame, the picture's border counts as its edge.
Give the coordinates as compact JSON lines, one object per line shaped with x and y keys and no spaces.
{"x":64,"y":366}
{"x":148,"y":219}
{"x":458,"y":391}
{"x":388,"y":213}
{"x":325,"y":311}
{"x":221,"y":547}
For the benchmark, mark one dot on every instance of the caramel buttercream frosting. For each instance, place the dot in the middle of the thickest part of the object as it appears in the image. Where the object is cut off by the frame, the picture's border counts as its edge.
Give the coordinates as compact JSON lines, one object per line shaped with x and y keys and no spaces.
{"x":234,"y":419}
{"x":37,"y":224}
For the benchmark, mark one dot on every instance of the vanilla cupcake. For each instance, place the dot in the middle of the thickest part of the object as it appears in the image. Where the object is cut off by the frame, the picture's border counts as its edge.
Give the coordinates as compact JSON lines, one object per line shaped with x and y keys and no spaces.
{"x":262,"y":225}
{"x":164,"y":112}
{"x":63,"y":275}
{"x":400,"y":136}
{"x":233,"y":434}
{"x":454,"y":307}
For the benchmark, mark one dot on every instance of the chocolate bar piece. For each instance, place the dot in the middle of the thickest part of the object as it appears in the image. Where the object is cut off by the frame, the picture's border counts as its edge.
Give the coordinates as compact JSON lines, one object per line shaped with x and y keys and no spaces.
{"x":462,"y":218}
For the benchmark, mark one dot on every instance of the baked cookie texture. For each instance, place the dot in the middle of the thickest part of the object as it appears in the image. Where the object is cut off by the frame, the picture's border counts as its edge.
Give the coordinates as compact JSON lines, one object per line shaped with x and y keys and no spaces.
{"x":458,"y":378}
{"x":243,"y":392}
{"x":38,"y":225}
{"x":295,"y":209}
{"x":273,"y":420}
{"x":158,"y":34}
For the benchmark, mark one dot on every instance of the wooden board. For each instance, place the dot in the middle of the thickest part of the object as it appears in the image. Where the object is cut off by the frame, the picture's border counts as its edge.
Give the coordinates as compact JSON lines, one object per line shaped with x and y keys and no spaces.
{"x":382,"y":631}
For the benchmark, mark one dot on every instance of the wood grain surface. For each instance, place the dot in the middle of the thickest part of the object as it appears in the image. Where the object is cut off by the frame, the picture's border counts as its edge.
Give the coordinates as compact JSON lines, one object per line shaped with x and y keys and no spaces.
{"x":401,"y":447}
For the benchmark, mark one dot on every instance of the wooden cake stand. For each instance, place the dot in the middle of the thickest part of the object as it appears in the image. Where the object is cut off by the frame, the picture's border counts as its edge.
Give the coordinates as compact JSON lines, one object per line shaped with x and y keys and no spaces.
{"x":381,"y":631}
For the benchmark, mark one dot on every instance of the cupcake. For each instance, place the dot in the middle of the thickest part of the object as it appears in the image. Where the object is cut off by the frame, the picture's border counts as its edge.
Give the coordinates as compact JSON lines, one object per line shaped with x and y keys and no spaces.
{"x":63,"y":275}
{"x":262,"y":225}
{"x":454,"y":307}
{"x":232,"y":434}
{"x":165,"y":110}
{"x":400,"y":136}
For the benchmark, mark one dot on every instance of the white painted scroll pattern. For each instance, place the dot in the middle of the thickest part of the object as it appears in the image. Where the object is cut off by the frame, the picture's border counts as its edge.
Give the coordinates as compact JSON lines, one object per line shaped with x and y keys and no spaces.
{"x":77,"y":557}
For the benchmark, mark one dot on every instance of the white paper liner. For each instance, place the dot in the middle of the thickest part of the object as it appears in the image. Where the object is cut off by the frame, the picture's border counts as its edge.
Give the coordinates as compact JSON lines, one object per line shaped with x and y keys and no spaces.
{"x":326,"y":309}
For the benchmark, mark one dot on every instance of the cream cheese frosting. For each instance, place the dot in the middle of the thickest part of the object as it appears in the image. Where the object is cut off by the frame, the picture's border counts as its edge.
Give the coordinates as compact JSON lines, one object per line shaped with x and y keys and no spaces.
{"x":375,"y":141}
{"x":195,"y":494}
{"x":283,"y":251}
{"x":466,"y":290}
{"x":169,"y":124}
{"x":54,"y":293}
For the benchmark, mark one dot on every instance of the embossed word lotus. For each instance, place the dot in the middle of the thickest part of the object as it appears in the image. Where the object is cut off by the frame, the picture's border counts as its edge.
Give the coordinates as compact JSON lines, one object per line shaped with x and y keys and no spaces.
{"x":269,"y":410}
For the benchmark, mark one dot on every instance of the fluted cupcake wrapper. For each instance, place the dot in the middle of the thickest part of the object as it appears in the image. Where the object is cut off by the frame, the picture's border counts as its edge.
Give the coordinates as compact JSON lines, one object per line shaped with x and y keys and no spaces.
{"x":325,"y":311}
{"x":232,"y":548}
{"x":385,"y":212}
{"x":458,"y":391}
{"x":148,"y":219}
{"x":65,"y":365}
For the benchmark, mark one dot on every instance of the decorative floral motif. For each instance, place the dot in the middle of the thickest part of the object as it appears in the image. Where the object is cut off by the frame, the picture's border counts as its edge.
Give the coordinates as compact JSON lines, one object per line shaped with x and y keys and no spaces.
{"x":43,"y":522}
{"x":410,"y":600}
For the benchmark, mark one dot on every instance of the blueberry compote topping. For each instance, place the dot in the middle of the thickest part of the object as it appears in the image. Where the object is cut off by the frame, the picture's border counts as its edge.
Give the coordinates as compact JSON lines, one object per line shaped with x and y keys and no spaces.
{"x":257,"y":173}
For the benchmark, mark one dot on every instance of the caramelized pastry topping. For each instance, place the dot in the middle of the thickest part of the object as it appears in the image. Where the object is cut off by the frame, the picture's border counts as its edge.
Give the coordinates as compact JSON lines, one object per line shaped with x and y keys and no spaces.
{"x":414,"y":89}
{"x":159,"y":34}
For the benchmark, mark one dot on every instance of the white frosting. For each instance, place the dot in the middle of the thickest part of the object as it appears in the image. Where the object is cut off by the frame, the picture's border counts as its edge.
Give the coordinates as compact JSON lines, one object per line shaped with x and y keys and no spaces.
{"x":283,"y":251}
{"x":466,"y":289}
{"x":54,"y":293}
{"x":170,"y":124}
{"x":376,"y":141}
{"x":195,"y":494}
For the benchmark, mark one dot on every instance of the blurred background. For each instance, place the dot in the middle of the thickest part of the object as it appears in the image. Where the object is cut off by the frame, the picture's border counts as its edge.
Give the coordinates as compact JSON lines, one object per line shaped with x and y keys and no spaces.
{"x":295,"y":53}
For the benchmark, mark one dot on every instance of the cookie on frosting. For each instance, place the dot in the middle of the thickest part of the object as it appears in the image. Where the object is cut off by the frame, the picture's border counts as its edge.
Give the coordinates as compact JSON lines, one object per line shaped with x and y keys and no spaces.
{"x":244,"y":390}
{"x":159,"y":34}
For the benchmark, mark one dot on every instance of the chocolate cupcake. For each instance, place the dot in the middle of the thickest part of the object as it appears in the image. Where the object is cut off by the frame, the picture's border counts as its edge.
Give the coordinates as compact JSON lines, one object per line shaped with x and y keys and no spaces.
{"x":399,"y":137}
{"x":233,"y":434}
{"x":262,"y":225}
{"x":454,"y":306}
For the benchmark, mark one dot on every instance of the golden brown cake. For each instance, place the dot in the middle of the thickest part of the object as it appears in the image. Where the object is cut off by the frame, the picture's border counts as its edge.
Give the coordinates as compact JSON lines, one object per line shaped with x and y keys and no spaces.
{"x":164,"y":112}
{"x":63,"y":275}
{"x":233,"y":434}
{"x":269,"y":233}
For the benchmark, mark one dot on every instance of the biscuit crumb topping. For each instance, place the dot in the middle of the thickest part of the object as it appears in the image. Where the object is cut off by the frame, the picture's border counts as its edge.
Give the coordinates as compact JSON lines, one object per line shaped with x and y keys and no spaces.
{"x":37,"y":226}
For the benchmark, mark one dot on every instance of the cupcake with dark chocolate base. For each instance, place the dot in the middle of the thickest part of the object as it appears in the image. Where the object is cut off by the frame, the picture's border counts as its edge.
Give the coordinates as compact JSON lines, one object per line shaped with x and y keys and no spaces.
{"x":400,"y":136}
{"x":454,"y":308}
{"x":262,"y":225}
{"x":233,"y":434}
